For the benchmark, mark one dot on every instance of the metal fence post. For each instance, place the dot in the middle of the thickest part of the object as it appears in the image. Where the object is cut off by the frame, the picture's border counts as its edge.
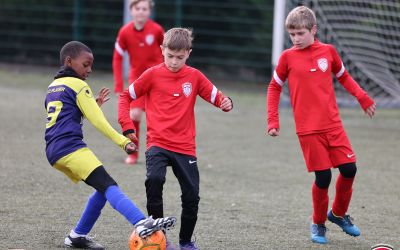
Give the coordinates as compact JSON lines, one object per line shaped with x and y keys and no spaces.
{"x":178,"y":13}
{"x":76,"y":30}
{"x":127,"y":19}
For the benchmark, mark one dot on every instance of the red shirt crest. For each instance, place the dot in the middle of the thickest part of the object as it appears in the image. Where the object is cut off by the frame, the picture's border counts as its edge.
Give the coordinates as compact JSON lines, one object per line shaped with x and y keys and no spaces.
{"x":187,"y":89}
{"x":323,"y":64}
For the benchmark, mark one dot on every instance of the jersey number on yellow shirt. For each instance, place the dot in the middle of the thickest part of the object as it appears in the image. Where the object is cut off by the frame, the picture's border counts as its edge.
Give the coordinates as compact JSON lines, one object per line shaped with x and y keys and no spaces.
{"x":53,"y":110}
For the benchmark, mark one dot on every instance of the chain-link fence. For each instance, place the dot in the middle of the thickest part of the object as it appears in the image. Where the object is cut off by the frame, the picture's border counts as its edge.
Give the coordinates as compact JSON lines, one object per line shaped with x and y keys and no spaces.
{"x":232,"y":38}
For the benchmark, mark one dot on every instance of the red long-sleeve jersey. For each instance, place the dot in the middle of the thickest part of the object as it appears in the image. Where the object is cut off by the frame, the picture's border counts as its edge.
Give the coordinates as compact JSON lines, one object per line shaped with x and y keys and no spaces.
{"x":143,"y":47}
{"x":170,"y":99}
{"x":312,"y":95}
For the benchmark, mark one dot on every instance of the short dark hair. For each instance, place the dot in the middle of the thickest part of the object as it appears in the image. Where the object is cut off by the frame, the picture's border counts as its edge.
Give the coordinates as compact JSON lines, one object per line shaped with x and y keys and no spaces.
{"x":178,"y":39}
{"x":72,"y":49}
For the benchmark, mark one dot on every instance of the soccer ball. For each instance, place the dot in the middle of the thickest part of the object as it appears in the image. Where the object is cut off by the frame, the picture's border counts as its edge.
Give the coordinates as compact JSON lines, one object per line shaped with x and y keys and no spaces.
{"x":156,"y":241}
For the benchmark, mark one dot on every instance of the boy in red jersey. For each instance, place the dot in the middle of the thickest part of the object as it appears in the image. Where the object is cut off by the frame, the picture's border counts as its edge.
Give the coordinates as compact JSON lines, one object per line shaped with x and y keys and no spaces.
{"x":141,"y":39}
{"x":308,"y":66}
{"x":171,"y":89}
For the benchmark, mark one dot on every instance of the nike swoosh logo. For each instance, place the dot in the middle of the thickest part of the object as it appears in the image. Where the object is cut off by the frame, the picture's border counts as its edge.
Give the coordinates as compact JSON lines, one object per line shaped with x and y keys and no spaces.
{"x":191,"y":162}
{"x":350,"y":155}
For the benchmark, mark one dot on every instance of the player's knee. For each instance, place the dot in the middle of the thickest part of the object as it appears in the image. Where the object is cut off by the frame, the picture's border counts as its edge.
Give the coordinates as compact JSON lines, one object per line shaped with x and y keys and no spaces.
{"x":348,"y":170}
{"x":136,"y":114}
{"x":323,"y":178}
{"x":191,"y":197}
{"x":154,"y":180}
{"x":100,"y":180}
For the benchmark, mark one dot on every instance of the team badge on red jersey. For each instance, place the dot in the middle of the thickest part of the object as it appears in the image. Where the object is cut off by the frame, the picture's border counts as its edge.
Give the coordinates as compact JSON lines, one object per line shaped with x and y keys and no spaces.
{"x":322,"y":64}
{"x":149,"y":39}
{"x":187,"y":88}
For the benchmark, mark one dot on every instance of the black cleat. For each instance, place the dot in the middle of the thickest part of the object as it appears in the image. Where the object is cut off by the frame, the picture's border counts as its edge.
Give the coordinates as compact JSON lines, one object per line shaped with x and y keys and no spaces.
{"x":82,"y":243}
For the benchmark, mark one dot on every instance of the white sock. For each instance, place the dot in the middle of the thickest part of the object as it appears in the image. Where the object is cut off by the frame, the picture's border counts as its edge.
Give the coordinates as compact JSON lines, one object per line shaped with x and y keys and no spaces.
{"x":72,"y":234}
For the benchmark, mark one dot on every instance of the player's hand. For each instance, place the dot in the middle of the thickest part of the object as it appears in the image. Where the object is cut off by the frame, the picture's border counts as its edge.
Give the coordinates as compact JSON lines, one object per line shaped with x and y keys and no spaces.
{"x":273,"y":132}
{"x":370,"y":111}
{"x":132,"y":137}
{"x":130,"y":148}
{"x":226,"y":104}
{"x":102,"y":96}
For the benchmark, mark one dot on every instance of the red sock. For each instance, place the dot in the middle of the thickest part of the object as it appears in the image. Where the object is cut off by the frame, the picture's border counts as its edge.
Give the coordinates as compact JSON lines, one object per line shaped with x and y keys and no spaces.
{"x":320,"y":200}
{"x":137,"y":130}
{"x":343,"y":195}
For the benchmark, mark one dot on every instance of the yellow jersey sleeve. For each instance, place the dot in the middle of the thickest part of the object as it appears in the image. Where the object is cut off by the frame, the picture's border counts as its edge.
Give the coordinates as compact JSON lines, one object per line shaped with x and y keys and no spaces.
{"x":92,"y":112}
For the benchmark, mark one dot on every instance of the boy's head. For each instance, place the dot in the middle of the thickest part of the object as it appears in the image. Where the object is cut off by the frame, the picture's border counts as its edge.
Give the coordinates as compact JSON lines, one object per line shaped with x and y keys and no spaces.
{"x":77,"y":56}
{"x":301,"y":24}
{"x":301,"y":17}
{"x":176,"y":48}
{"x":140,"y":11}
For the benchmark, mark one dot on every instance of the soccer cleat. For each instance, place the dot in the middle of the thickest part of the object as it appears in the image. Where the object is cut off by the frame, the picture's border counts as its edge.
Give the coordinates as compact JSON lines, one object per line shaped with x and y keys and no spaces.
{"x":82,"y":242}
{"x":170,"y":246}
{"x":188,"y":246}
{"x":345,"y":223}
{"x":148,"y":226}
{"x":318,"y":232}
{"x":131,"y":159}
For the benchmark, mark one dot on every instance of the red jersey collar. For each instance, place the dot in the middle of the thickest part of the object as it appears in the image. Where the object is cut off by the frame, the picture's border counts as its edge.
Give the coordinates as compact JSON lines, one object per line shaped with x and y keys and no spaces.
{"x":314,"y":44}
{"x":144,"y":26}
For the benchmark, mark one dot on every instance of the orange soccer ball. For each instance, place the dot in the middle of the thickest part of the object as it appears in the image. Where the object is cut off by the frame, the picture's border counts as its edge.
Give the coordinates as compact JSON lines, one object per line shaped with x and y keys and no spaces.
{"x":156,"y":241}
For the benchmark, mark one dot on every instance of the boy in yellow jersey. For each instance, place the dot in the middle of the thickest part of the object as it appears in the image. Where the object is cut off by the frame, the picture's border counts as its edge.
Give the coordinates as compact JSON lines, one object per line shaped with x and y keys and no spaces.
{"x":69,"y":99}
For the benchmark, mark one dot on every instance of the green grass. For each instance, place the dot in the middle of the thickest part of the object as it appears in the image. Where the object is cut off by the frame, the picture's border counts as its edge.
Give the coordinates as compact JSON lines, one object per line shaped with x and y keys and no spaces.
{"x":255,"y":191}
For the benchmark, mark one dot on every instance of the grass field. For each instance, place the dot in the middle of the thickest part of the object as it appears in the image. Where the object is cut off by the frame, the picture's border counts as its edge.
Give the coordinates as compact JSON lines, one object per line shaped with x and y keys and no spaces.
{"x":255,"y":191}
